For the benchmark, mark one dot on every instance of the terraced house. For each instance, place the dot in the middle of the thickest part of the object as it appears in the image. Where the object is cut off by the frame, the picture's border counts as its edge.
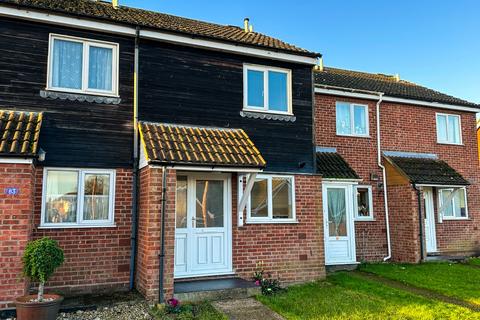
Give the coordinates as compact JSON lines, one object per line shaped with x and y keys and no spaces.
{"x":161,"y":151}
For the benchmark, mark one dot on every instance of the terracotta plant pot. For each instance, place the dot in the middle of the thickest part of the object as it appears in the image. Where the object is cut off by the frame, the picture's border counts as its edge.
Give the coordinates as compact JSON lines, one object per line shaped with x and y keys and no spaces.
{"x":46,"y":310}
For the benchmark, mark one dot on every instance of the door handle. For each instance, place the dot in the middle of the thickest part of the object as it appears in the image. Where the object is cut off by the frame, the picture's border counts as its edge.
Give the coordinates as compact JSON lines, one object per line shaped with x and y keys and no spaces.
{"x":193,"y":222}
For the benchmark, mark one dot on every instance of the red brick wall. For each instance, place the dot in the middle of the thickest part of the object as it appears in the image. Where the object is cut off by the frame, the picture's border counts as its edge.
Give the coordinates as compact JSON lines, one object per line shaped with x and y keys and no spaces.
{"x":403,"y":214}
{"x":292,"y":253}
{"x":15,"y":228}
{"x":149,"y":232}
{"x":413,"y":128}
{"x":96,"y":259}
{"x":361,"y":154}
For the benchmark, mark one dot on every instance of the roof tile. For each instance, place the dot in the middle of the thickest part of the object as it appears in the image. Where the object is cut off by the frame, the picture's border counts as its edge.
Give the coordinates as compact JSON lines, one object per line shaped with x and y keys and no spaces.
{"x":331,"y":165}
{"x":19,"y":133}
{"x":165,"y":143}
{"x":132,"y":16}
{"x":389,"y":85}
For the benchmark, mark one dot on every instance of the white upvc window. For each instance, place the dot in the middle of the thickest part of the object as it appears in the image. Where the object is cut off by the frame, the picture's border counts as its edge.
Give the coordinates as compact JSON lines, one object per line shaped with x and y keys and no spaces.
{"x":449,"y":128}
{"x":267,"y":89}
{"x":363,"y":203}
{"x":457,"y":207}
{"x":352,"y":119}
{"x":78,"y":65}
{"x":77,"y":198}
{"x":272,"y":200}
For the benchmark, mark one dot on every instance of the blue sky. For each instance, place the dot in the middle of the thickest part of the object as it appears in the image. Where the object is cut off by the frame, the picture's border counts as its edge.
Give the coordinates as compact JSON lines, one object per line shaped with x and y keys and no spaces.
{"x":432,"y":43}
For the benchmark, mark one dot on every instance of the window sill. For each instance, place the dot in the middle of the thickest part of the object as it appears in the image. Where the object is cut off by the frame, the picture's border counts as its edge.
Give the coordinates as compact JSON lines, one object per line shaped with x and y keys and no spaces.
{"x":451,"y":144}
{"x":364,"y":219}
{"x":354,"y":136}
{"x":456,"y":219}
{"x":256,"y":114}
{"x":81,"y":97}
{"x":77,"y":226}
{"x":272,"y":222}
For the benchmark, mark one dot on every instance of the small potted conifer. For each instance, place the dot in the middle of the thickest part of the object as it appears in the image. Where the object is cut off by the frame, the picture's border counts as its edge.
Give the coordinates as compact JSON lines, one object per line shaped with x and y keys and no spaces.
{"x":40,"y":259}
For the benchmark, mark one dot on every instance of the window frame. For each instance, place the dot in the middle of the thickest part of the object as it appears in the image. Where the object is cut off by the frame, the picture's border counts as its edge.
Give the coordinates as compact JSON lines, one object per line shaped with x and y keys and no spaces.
{"x":87,"y":43}
{"x":352,"y":120}
{"x":440,"y":202}
{"x":370,"y":203}
{"x":265,"y":70}
{"x":447,"y":115}
{"x":270,"y":219}
{"x":80,"y":222}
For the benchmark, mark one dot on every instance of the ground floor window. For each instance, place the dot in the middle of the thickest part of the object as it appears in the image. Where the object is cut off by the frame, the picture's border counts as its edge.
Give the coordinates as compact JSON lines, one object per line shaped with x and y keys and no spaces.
{"x":76,"y":197}
{"x":272,"y":199}
{"x":453,"y":203}
{"x":363,"y":203}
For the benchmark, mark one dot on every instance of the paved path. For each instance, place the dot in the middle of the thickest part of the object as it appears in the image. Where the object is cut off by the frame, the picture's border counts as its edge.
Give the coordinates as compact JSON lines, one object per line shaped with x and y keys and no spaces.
{"x":246,"y":309}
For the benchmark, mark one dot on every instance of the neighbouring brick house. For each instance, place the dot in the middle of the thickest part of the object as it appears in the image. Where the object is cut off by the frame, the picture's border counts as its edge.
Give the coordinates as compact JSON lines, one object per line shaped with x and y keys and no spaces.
{"x":128,"y":135}
{"x":427,"y":142}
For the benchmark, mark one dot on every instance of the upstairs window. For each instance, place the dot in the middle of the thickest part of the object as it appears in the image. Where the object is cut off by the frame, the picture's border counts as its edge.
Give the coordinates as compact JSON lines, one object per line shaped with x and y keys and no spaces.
{"x":352,"y":119}
{"x":448,"y":129}
{"x":267,"y":89}
{"x":74,"y":197}
{"x":82,"y":66}
{"x":453,"y":207}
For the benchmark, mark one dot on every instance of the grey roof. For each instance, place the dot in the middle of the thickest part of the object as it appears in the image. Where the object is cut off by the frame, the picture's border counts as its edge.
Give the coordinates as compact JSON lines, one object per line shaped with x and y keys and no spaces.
{"x":331,"y":165}
{"x":427,"y":171}
{"x":388,"y":84}
{"x":155,"y":20}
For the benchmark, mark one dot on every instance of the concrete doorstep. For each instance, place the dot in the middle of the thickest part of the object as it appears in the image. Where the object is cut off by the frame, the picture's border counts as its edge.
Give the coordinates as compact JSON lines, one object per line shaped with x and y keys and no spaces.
{"x":246,"y":309}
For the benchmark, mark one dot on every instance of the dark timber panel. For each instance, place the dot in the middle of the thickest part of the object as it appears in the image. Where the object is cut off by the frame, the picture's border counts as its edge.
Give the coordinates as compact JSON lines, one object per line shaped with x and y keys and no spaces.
{"x":194,"y":86}
{"x":74,"y":134}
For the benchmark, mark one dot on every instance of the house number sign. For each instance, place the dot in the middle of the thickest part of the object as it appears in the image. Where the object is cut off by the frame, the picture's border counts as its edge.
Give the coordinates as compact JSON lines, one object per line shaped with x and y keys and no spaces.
{"x":11,"y":191}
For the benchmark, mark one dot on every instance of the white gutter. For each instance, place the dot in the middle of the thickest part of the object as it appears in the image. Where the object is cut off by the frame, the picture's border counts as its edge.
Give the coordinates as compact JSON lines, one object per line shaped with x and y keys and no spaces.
{"x":384,"y":179}
{"x":364,"y":94}
{"x":94,"y":25}
{"x":12,"y":160}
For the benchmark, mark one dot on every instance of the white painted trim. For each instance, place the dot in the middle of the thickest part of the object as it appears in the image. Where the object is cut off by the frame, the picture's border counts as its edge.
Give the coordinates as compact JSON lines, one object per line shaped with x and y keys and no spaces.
{"x":270,"y":219}
{"x":370,"y":203}
{"x":342,"y":181}
{"x":266,"y":96}
{"x":91,"y":24}
{"x":442,"y":186}
{"x":208,"y":168}
{"x":7,"y":160}
{"x":352,"y":119}
{"x":86,"y":43}
{"x":110,"y":222}
{"x":368,"y":96}
{"x":447,"y":115}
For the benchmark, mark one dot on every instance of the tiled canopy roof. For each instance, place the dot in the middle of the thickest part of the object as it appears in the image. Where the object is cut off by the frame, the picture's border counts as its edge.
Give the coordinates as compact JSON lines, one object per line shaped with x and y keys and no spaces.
{"x":206,"y":146}
{"x":132,"y":16}
{"x":331,"y":165}
{"x":19,"y":133}
{"x":427,"y":171}
{"x":389,"y":85}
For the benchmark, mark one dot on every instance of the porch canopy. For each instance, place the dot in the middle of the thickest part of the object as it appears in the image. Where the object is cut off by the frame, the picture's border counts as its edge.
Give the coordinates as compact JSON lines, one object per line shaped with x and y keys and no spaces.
{"x":186,"y":147}
{"x":425,"y":169}
{"x":331,"y":165}
{"x":19,"y":133}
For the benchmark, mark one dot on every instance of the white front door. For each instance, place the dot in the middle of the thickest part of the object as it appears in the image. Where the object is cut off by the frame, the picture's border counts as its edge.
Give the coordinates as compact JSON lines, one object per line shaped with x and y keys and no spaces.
{"x":338,"y":224}
{"x":203,"y":225}
{"x":430,"y":232}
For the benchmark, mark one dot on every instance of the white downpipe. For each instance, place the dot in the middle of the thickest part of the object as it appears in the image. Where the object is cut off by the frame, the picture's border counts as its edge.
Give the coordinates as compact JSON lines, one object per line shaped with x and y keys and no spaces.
{"x":384,"y":179}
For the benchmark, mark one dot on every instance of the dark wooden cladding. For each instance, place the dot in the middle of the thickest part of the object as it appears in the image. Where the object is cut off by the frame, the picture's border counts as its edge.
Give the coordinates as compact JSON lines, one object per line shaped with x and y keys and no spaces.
{"x":74,"y":134}
{"x":193,"y":86}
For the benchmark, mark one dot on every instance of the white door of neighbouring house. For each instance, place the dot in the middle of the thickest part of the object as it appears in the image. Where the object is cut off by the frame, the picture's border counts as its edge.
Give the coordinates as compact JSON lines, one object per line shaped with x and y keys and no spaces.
{"x":430,"y":232}
{"x":203,"y":225}
{"x":338,"y":224}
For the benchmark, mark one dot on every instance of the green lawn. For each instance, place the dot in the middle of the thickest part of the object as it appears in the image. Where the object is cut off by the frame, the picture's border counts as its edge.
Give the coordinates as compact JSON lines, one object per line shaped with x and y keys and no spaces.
{"x":343,"y":296}
{"x":450,"y":279}
{"x":474,"y":261}
{"x":196,"y":311}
